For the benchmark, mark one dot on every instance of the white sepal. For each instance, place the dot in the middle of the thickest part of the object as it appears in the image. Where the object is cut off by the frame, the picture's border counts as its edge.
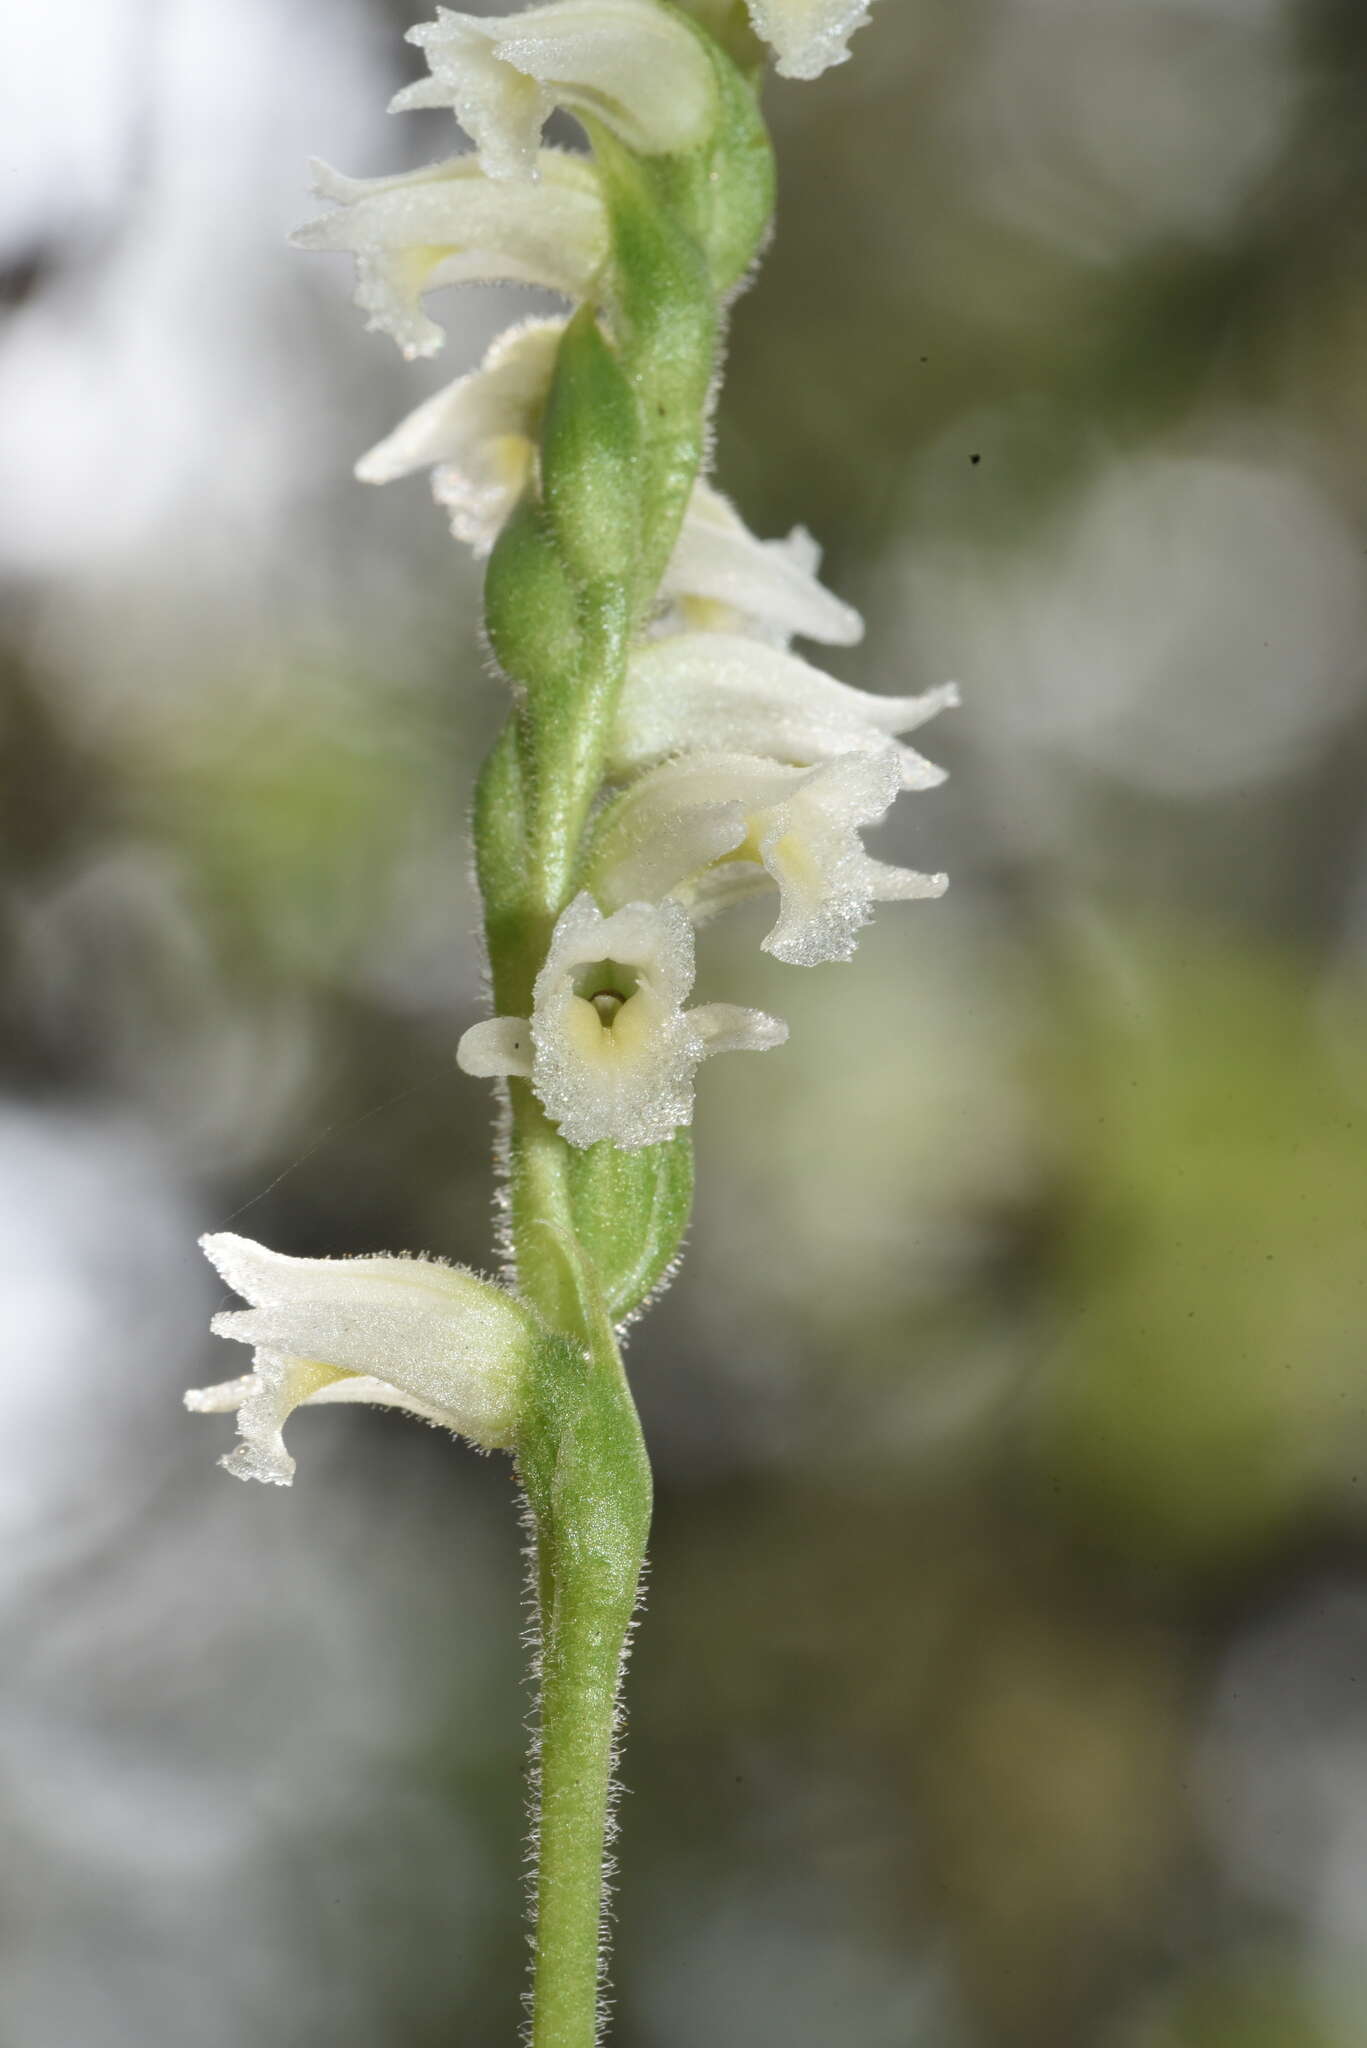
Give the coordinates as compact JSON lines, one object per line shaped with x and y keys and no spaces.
{"x":613,"y":1049}
{"x":716,"y":828}
{"x":721,"y":690}
{"x":478,"y":434}
{"x":450,"y":224}
{"x":626,"y":63}
{"x":769,"y":587}
{"x":808,"y":36}
{"x":436,"y":1340}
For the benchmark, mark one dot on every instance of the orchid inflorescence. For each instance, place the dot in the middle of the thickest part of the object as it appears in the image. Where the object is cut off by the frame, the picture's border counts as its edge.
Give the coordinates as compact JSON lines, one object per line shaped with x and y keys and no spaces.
{"x":667,"y":755}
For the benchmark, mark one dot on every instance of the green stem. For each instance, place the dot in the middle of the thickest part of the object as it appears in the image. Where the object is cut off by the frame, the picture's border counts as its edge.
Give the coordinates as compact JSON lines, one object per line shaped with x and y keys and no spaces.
{"x":584,"y":1466}
{"x":571,"y":583}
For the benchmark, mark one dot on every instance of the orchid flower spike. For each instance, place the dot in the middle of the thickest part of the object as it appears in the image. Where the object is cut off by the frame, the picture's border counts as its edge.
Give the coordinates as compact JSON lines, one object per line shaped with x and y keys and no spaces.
{"x":435,"y":1340}
{"x":628,"y":63}
{"x":724,"y":691}
{"x":479,"y":438}
{"x":610,"y":1050}
{"x":808,"y":36}
{"x":714,"y":829}
{"x":451,"y":224}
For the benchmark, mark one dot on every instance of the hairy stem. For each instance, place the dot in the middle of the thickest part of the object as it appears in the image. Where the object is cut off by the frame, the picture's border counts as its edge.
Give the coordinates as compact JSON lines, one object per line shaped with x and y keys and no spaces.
{"x":571,"y":584}
{"x":587,"y":1477}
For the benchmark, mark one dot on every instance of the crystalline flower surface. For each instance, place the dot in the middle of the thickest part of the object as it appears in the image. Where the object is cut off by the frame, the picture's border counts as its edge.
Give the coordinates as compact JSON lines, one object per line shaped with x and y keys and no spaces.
{"x":722,"y":690}
{"x":808,"y":36}
{"x":451,"y":224}
{"x":436,"y":1340}
{"x":478,"y":434}
{"x":715,"y":828}
{"x":627,"y":63}
{"x":609,"y":1049}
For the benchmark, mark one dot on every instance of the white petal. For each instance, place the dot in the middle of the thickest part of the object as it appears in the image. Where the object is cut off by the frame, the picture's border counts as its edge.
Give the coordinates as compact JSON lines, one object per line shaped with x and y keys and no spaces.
{"x":768,"y":822}
{"x":626,"y":63}
{"x":809,"y":842}
{"x":224,"y":1399}
{"x":719,"y":690}
{"x":359,"y":1389}
{"x":275,"y":1389}
{"x":497,"y":1047}
{"x":439,"y":1335}
{"x":478,"y":434}
{"x":724,"y":1027}
{"x":629,"y":1079}
{"x":772,"y":582}
{"x":615,"y":1051}
{"x":649,"y":938}
{"x":269,"y":1396}
{"x":657,"y":836}
{"x":808,"y":36}
{"x":903,"y":885}
{"x":501,"y":109}
{"x":450,"y":224}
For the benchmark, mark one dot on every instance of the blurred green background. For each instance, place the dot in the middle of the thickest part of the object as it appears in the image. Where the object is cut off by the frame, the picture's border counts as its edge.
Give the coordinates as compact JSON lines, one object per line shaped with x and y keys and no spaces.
{"x":1004,"y":1683}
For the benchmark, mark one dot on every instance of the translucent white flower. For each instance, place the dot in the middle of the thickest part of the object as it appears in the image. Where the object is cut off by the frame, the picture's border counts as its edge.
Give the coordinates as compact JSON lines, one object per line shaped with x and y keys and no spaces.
{"x":808,"y":36}
{"x":627,"y":63}
{"x":712,"y":829}
{"x":725,"y":580}
{"x":451,"y":224}
{"x":610,"y":1050}
{"x":480,"y":433}
{"x":402,"y":1333}
{"x":720,"y":690}
{"x":479,"y":437}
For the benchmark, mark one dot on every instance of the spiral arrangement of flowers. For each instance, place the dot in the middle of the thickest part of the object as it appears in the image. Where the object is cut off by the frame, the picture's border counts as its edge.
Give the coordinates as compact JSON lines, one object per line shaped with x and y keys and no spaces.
{"x":666,"y":755}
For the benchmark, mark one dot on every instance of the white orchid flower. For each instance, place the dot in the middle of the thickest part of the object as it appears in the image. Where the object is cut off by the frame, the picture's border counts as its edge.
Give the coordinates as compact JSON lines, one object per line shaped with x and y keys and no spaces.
{"x":713,"y":829}
{"x":435,"y":1340}
{"x":609,"y":1048}
{"x":627,"y":63}
{"x":479,"y":436}
{"x":724,"y":691}
{"x":725,"y":580}
{"x":451,"y":224}
{"x":808,"y":36}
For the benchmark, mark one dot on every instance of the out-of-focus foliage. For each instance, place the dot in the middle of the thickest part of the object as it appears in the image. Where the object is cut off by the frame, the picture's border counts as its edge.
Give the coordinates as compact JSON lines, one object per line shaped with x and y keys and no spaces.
{"x":1005,"y":1672}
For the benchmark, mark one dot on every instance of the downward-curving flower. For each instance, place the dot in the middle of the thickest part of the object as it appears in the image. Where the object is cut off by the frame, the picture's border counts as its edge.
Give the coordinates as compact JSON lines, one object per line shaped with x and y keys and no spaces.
{"x":479,"y":438}
{"x":609,"y":1049}
{"x":452,"y":224}
{"x":713,"y":829}
{"x":808,"y":36}
{"x":630,"y":64}
{"x":726,"y":691}
{"x":435,"y":1340}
